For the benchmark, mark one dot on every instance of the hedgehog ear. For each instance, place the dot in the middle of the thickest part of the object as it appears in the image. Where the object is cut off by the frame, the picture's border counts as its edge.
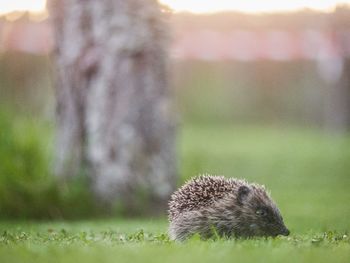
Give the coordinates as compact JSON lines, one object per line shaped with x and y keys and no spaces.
{"x":243,"y":192}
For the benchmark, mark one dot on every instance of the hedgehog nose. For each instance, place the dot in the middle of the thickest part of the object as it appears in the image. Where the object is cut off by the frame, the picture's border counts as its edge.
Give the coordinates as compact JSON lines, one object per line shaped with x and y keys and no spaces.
{"x":285,"y":232}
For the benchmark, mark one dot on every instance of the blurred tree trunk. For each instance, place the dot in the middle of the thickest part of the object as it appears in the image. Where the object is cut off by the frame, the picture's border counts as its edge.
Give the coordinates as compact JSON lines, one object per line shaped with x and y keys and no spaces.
{"x":114,"y":120}
{"x":337,"y":117}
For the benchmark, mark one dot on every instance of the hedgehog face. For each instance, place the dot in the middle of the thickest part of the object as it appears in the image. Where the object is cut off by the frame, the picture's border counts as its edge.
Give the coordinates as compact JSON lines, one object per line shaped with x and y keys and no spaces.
{"x":269,"y":221}
{"x":262,"y":217}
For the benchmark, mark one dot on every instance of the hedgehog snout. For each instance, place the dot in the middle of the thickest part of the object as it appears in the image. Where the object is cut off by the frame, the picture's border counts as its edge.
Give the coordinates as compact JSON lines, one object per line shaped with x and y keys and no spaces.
{"x":284,"y":231}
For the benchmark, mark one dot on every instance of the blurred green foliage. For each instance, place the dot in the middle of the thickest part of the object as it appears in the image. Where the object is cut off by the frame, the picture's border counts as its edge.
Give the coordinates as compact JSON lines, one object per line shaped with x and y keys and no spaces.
{"x":26,"y":84}
{"x":27,"y":187}
{"x":25,"y":157}
{"x":250,"y":92}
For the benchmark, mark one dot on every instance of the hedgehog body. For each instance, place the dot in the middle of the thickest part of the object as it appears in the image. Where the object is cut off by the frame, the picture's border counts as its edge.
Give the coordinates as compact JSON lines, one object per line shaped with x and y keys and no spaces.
{"x":214,"y":205}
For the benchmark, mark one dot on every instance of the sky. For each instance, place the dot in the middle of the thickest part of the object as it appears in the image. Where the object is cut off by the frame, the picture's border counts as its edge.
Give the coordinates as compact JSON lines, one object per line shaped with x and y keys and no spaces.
{"x":7,"y":6}
{"x":255,"y":6}
{"x":198,"y":6}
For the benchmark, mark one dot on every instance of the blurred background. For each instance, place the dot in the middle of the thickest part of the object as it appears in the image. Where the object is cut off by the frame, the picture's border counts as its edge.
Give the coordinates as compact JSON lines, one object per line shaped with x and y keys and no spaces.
{"x":261,"y":92}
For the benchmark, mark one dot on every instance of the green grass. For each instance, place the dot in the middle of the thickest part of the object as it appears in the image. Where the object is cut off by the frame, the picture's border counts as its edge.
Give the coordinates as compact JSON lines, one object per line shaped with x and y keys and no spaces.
{"x":146,"y":241}
{"x":306,"y":171}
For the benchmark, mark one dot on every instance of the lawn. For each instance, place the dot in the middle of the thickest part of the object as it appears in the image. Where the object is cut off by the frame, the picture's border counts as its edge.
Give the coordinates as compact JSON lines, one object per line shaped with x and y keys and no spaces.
{"x":145,"y":241}
{"x":306,"y":171}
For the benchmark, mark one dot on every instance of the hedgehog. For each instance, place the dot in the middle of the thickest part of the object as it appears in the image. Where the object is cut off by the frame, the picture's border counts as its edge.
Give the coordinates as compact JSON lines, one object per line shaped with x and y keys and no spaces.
{"x":214,"y":206}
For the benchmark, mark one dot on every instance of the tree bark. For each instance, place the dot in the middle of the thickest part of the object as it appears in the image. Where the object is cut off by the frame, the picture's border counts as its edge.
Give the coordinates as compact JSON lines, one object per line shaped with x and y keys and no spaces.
{"x":337,"y":70}
{"x":114,"y":118}
{"x":337,"y":110}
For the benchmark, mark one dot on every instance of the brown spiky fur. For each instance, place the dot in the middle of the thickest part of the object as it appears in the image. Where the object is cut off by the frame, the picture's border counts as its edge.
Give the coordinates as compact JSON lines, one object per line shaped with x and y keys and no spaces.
{"x":208,"y":205}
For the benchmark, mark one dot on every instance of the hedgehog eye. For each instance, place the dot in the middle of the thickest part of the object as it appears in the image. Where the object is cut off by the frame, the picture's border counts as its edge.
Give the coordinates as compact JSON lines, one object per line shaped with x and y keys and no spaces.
{"x":261,"y":212}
